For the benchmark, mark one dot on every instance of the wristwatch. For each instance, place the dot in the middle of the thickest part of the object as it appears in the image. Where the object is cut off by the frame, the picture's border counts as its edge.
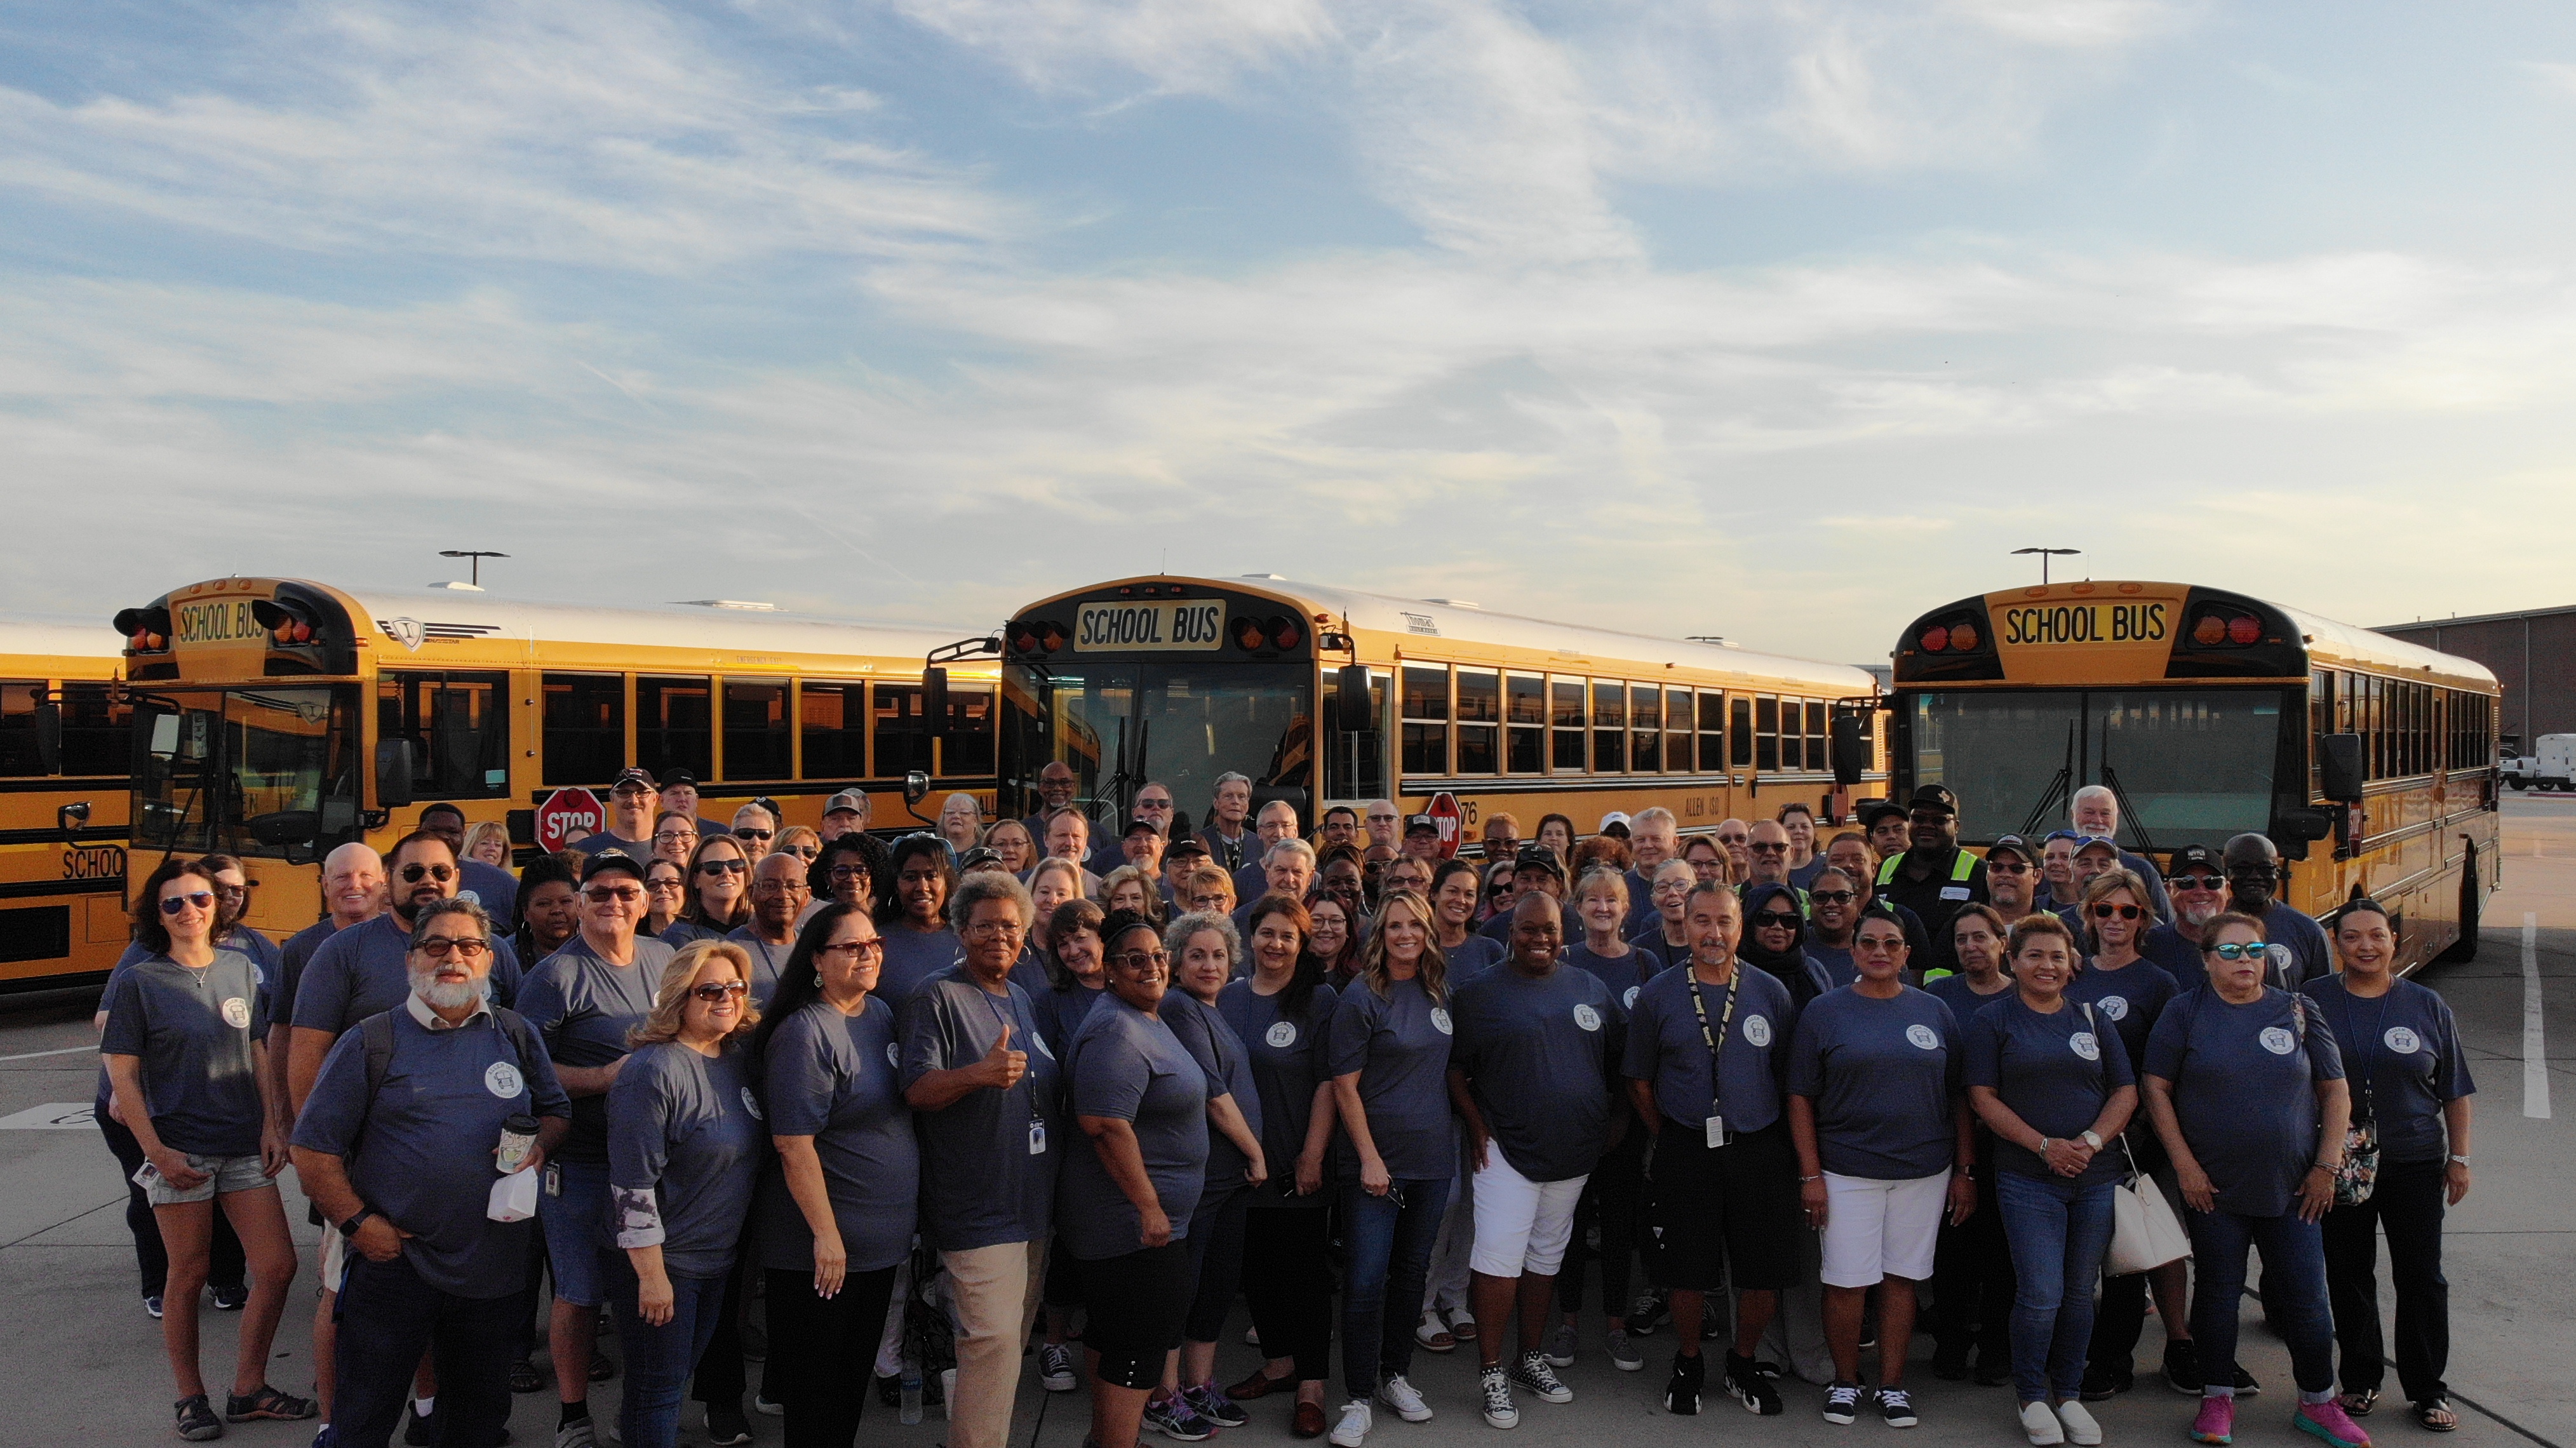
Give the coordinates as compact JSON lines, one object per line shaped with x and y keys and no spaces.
{"x":2093,"y":1139}
{"x":2462,"y":1160}
{"x":350,"y":1224}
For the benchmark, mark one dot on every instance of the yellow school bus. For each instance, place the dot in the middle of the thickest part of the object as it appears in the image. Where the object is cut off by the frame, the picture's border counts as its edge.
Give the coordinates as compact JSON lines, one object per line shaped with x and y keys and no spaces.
{"x":2210,"y":713}
{"x":276,"y":718}
{"x":64,"y":752}
{"x":1325,"y":696}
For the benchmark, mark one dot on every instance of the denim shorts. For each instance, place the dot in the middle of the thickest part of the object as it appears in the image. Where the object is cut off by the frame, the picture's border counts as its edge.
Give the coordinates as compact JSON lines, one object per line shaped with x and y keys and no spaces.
{"x":571,"y":1222}
{"x":225,"y":1175}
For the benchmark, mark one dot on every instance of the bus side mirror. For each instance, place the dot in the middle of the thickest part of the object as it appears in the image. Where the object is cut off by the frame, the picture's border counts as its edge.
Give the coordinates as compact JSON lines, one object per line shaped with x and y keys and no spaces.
{"x":1851,"y":748}
{"x":49,"y":738}
{"x":2305,"y":824}
{"x":934,"y":700}
{"x":393,"y":773}
{"x":916,"y":787}
{"x":2339,"y":766}
{"x":1352,"y":709}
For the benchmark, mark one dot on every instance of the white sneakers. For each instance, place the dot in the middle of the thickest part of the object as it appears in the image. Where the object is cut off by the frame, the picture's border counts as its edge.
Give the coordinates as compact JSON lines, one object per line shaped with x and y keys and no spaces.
{"x":1407,"y":1402}
{"x":2041,"y":1426}
{"x":2081,"y":1430}
{"x":1353,"y":1430}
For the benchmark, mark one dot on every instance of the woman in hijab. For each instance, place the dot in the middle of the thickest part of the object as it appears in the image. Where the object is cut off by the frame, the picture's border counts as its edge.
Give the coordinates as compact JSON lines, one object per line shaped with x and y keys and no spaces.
{"x":1775,"y":940}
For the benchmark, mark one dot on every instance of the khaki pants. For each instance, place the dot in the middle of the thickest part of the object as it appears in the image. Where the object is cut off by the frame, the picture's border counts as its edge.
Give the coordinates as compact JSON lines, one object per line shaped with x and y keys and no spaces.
{"x":996,"y":1303}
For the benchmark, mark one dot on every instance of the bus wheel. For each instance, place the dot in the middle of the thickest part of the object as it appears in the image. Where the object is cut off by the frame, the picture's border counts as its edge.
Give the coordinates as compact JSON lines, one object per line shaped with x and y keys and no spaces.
{"x":2471,"y":899}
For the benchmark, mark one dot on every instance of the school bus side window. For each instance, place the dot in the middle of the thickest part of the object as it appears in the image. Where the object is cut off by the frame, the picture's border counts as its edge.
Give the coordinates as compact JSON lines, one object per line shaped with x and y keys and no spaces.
{"x":1480,"y":706}
{"x":1525,"y":720}
{"x":755,"y":730}
{"x":833,"y":718}
{"x":585,"y":727}
{"x":902,"y":736}
{"x":1425,"y":716}
{"x":674,"y":727}
{"x":18,"y":698}
{"x":98,"y":733}
{"x":967,"y":748}
{"x":459,"y":725}
{"x":1566,"y":713}
{"x":1712,"y":733}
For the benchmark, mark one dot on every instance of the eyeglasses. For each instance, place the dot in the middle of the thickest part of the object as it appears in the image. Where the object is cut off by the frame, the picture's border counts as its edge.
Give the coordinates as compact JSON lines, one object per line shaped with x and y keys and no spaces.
{"x":2195,"y":882}
{"x":848,"y":872}
{"x":630,"y":791}
{"x":855,"y":949}
{"x":173,"y":904}
{"x":604,"y":895}
{"x":1768,"y":847}
{"x":2125,"y":912}
{"x":986,"y":929}
{"x":414,"y":874}
{"x":659,"y":836}
{"x":1144,"y":806}
{"x":752,"y":834}
{"x":1831,"y":897}
{"x":1774,"y":917}
{"x":1139,"y":959}
{"x":233,"y":892}
{"x":1993,"y":868}
{"x":463,"y":947}
{"x":715,"y":990}
{"x":782,"y":887}
{"x":723,"y":867}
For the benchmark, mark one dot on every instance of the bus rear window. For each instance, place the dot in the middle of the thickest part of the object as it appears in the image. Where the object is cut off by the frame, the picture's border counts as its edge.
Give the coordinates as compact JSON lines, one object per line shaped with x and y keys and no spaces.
{"x":459,"y":725}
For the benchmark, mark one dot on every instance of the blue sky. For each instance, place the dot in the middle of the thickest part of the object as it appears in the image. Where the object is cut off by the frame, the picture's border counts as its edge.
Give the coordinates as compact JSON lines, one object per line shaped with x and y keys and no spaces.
{"x":1778,"y":320}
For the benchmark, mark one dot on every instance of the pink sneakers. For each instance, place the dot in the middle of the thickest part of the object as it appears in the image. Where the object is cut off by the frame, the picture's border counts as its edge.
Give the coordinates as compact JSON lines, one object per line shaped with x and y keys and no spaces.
{"x":2329,"y":1421}
{"x":2216,"y":1423}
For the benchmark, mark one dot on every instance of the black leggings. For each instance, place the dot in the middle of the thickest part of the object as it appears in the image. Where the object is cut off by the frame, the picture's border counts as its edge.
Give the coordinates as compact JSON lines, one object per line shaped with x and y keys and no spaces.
{"x":224,"y":1263}
{"x":2408,"y":1203}
{"x":1972,"y":1281}
{"x":1613,"y":1202}
{"x":1288,"y":1283}
{"x":1216,"y":1253}
{"x":824,"y":1352}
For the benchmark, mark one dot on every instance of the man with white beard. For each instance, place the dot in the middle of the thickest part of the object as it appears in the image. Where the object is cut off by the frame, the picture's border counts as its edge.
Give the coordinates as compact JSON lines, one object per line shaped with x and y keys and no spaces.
{"x":2196,"y":881}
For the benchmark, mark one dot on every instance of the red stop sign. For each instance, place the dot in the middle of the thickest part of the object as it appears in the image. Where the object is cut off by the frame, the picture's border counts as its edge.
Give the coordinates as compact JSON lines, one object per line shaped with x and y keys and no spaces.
{"x":569,"y":815}
{"x":1445,"y":813}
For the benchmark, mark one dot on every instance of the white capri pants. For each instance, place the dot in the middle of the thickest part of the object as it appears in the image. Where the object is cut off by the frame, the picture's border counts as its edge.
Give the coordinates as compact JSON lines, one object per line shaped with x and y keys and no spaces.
{"x":1522,"y":1226}
{"x":1879,"y":1229}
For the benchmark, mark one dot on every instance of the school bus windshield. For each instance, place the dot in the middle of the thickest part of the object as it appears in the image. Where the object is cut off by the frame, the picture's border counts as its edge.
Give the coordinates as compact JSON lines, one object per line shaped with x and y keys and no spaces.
{"x":2193,"y":766}
{"x":259,"y":771}
{"x":1121,"y":724}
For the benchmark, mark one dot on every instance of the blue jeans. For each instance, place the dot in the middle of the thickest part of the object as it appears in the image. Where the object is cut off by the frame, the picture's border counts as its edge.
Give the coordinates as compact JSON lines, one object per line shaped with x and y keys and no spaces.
{"x":659,"y":1359}
{"x":388,"y":1316}
{"x":571,"y":1223}
{"x":2057,"y":1230}
{"x":2294,"y":1292}
{"x":1386,"y":1248}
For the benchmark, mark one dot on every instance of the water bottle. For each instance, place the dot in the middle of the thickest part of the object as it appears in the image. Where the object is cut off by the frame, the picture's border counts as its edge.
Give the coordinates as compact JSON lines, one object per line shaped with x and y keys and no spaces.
{"x":911,"y":1390}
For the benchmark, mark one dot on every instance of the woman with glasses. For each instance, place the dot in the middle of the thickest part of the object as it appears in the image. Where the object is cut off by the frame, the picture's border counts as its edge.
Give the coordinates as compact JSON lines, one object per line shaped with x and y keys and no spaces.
{"x":1834,"y":902}
{"x":844,"y":875}
{"x":961,"y":820}
{"x":719,"y":893}
{"x":1333,"y":939}
{"x":666,"y":894}
{"x":837,"y":1205}
{"x":184,"y":1056}
{"x":1775,"y":942}
{"x":799,"y":841}
{"x":2051,"y":1080}
{"x":685,"y":1141}
{"x":2246,"y":1089}
{"x":1667,"y":936}
{"x":2403,"y":1050}
{"x":983,"y":1086}
{"x":489,"y":842}
{"x":2129,"y":994}
{"x":675,"y":837}
{"x":1132,"y":1185}
{"x":914,"y":916}
{"x":1011,"y":840}
{"x":1972,"y":1268}
{"x":757,"y":828}
{"x":1399,"y":1153}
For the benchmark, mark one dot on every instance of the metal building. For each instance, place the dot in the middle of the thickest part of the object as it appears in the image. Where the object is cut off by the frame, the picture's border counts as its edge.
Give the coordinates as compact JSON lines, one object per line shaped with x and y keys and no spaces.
{"x":2533,"y":654}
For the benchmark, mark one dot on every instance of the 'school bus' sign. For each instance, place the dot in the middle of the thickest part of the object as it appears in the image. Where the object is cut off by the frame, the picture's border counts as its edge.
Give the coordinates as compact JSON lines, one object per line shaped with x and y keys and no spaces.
{"x":2142,"y":622}
{"x":1191,"y":624}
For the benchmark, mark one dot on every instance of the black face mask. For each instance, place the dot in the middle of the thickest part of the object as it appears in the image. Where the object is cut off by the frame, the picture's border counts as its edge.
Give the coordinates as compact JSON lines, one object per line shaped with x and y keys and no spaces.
{"x":1749,"y":948}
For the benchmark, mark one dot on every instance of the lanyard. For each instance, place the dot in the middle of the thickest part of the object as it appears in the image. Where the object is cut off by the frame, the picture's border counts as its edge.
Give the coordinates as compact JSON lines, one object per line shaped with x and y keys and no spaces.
{"x":1716,"y":1043}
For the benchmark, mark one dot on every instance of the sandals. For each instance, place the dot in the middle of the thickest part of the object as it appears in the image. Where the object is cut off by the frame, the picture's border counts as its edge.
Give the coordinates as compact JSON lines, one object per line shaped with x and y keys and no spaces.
{"x":524,"y":1377}
{"x":2434,"y":1415}
{"x":196,"y":1419}
{"x":2359,"y":1404}
{"x":266,"y":1402}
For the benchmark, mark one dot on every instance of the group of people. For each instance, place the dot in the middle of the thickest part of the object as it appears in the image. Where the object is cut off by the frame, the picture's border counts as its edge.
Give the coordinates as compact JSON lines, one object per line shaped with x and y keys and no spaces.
{"x":1012,"y":1078}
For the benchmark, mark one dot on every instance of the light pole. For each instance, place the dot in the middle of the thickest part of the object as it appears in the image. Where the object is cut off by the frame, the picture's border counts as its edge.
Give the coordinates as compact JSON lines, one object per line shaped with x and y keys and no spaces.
{"x":474,"y":568}
{"x":2046,"y":554}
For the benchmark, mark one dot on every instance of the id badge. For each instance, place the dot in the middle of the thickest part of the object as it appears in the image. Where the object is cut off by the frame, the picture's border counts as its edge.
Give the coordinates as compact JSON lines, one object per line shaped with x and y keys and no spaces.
{"x":147,"y":1176}
{"x":554,"y":1179}
{"x":1037,"y":1138}
{"x":1716,"y":1130}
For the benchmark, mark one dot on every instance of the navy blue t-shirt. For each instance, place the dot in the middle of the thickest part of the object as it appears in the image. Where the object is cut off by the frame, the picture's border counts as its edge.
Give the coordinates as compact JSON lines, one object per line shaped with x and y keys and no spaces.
{"x":364,"y":970}
{"x":1399,"y":1045}
{"x":191,"y":1032}
{"x":1651,"y":941}
{"x":1061,"y":1012}
{"x":1128,"y":1065}
{"x":421,"y":1153}
{"x":766,"y":959}
{"x":493,"y":888}
{"x":913,"y":956}
{"x":1665,"y":1046}
{"x":1625,"y":975}
{"x":834,"y":1078}
{"x":2055,"y":1070}
{"x":2404,"y":1055}
{"x":1883,"y":1074}
{"x":582,"y":1007}
{"x":2129,"y":1000}
{"x":1962,"y":998}
{"x":2164,"y":946}
{"x":1471,"y":958}
{"x":1541,"y":1056}
{"x":988,"y":1159}
{"x":1836,"y":960}
{"x":2244,"y":1092}
{"x":685,"y":1142}
{"x":1204,"y":1032}
{"x":1288,"y":1062}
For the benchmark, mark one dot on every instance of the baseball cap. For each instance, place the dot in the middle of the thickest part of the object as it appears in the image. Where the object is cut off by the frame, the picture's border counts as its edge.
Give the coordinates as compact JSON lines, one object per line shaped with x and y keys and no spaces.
{"x":848,"y":799}
{"x":2097,"y":842}
{"x":1932,"y":796}
{"x":1186,"y":846}
{"x":1870,"y":816}
{"x":1139,"y":822}
{"x":607,"y":860}
{"x":2021,"y":848}
{"x":2195,"y":857}
{"x":677,"y":775}
{"x":1538,"y":857}
{"x":1421,"y":824}
{"x":632,"y":776}
{"x":1618,"y":817}
{"x":980,"y":855}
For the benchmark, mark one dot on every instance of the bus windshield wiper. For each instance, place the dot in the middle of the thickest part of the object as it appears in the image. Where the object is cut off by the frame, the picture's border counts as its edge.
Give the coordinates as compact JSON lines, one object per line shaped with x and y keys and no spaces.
{"x":2055,"y":793}
{"x":2128,"y":812}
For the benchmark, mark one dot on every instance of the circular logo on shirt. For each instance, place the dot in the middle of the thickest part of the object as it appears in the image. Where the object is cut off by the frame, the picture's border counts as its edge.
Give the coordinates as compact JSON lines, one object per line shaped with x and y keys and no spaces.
{"x":2278,"y":1041}
{"x":1757,"y":1031}
{"x":751,"y":1104}
{"x":2083,"y":1044}
{"x":469,"y":897}
{"x":1629,"y":1001}
{"x":503,"y":1080}
{"x":2403,"y":1041}
{"x":1043,"y":1048}
{"x":2116,"y":1007}
{"x":1923,"y":1036}
{"x":1588,"y":1018}
{"x":894,"y":1056}
{"x":2278,"y":954}
{"x":237,"y":1013}
{"x":1281,"y":1035}
{"x":1440,"y":1019}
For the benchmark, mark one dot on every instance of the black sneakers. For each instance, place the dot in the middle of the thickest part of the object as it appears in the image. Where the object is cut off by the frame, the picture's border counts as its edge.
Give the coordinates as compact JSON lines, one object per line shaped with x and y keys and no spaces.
{"x":1681,"y":1391}
{"x":1746,"y":1384}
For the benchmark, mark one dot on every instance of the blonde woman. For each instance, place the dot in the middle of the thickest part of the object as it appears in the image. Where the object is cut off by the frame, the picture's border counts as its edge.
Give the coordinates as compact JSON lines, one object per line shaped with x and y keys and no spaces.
{"x":685,"y":1140}
{"x":489,"y":841}
{"x":799,"y":841}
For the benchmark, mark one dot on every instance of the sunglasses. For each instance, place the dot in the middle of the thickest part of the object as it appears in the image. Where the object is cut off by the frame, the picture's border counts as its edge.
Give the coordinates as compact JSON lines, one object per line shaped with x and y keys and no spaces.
{"x":607,"y":896}
{"x":2250,"y":950}
{"x":723,"y":867}
{"x":233,"y":892}
{"x":2125,"y":912}
{"x":1774,"y":917}
{"x":1761,"y":847}
{"x":2196,"y":882}
{"x":716,"y":990}
{"x":751,"y":834}
{"x":1831,"y":897}
{"x":1140,"y":959}
{"x":414,"y":874}
{"x":848,"y":872}
{"x":173,"y":904}
{"x":439,"y":947}
{"x":1995,"y":869}
{"x":855,"y":949}
{"x":803,"y":852}
{"x":658,"y":886}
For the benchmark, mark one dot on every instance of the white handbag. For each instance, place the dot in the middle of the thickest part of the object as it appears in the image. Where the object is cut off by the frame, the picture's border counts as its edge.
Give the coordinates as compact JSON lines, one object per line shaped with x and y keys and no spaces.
{"x":2145,"y":1233}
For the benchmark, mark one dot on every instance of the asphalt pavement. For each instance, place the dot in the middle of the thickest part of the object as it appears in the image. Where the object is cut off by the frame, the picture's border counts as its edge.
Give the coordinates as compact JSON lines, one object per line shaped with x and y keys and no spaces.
{"x":85,"y":1364}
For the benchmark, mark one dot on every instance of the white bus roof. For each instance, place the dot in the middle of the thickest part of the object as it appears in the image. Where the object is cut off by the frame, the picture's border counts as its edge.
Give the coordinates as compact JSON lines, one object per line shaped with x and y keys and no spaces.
{"x":461,"y":613}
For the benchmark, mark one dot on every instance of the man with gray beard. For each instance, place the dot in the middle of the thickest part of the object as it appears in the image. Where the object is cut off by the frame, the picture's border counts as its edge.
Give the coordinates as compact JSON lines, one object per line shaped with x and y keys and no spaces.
{"x":2196,"y":882}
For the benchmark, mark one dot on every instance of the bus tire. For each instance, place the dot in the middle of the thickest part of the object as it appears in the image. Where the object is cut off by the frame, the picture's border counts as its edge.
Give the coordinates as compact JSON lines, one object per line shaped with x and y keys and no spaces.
{"x":2471,"y":901}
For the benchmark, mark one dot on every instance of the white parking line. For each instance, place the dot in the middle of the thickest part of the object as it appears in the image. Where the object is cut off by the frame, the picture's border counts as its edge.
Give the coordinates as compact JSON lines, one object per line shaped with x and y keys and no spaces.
{"x":65,"y":1051}
{"x":2535,"y":1053}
